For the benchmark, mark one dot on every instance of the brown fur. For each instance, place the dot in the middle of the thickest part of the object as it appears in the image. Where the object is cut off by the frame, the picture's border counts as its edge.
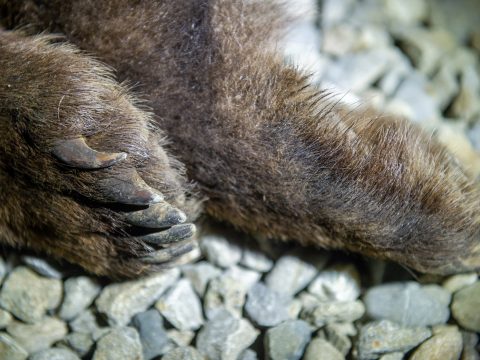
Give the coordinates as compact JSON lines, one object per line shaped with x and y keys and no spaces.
{"x":273,"y":155}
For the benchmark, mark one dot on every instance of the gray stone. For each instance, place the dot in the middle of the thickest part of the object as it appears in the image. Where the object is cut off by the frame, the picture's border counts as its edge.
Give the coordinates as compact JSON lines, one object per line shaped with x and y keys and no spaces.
{"x":82,"y":343}
{"x":445,"y":345}
{"x":153,"y":336}
{"x":341,"y":283}
{"x":38,"y":336}
{"x":392,"y":356}
{"x":322,"y":348}
{"x":444,"y":86}
{"x":120,"y":343}
{"x":120,"y":301}
{"x":225,"y":337}
{"x":181,"y":306}
{"x":465,"y":305}
{"x":245,"y":277}
{"x":54,"y":354}
{"x":287,"y":340}
{"x":248,"y":354}
{"x":5,"y":318}
{"x":224,"y":293}
{"x":332,"y":312}
{"x":256,"y":260}
{"x":290,"y":275}
{"x":266,"y":307}
{"x":470,"y":341}
{"x":42,"y":267}
{"x":80,"y":292}
{"x":408,"y":303}
{"x":183,"y":353}
{"x":181,"y":338}
{"x":219,"y":251}
{"x":338,"y":338}
{"x":200,"y":274}
{"x":3,"y":269}
{"x":28,"y":296}
{"x":381,"y":337}
{"x":336,"y":11}
{"x":467,"y":103}
{"x":10,"y":349}
{"x":87,"y":323}
{"x":406,"y":11}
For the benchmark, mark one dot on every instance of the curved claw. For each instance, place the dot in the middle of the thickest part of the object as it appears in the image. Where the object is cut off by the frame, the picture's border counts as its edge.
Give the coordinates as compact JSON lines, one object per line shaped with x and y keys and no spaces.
{"x":175,"y":234}
{"x":76,"y":153}
{"x":170,"y":253}
{"x":129,"y":188}
{"x":156,"y":216}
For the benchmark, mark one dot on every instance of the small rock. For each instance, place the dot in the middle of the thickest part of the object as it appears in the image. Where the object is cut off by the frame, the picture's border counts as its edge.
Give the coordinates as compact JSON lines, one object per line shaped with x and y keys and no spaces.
{"x":224,"y":293}
{"x":3,"y":269}
{"x":287,"y":340}
{"x":337,"y":284}
{"x":120,"y":301}
{"x":321,"y":347}
{"x":28,"y":296}
{"x":406,"y":11}
{"x":42,"y":267}
{"x":256,"y":260}
{"x":181,"y":338}
{"x":336,"y":11}
{"x":225,"y":337}
{"x":444,"y":86}
{"x":245,"y":277}
{"x":393,"y":356}
{"x":381,"y":337}
{"x":290,"y":275}
{"x":338,"y":338}
{"x":200,"y":274}
{"x":79,"y":294}
{"x":54,"y":354}
{"x":332,"y":312}
{"x":183,"y":353}
{"x":458,"y":282}
{"x":87,"y":323}
{"x":248,"y":354}
{"x":120,"y":343}
{"x":446,"y":345}
{"x":38,"y":336}
{"x":80,"y":342}
{"x":220,"y":251}
{"x":465,"y":305}
{"x":467,"y":103}
{"x":153,"y":336}
{"x":408,"y":303}
{"x":10,"y":349}
{"x":470,"y":341}
{"x":5,"y":318}
{"x":181,"y":306}
{"x":266,"y":307}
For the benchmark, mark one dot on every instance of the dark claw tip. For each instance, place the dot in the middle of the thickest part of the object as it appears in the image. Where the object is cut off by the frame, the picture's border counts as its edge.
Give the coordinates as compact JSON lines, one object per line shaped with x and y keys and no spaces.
{"x":76,"y":153}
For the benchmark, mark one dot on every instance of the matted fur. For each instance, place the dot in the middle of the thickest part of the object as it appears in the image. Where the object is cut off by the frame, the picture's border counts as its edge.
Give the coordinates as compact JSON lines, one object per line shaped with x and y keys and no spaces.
{"x":272,"y":154}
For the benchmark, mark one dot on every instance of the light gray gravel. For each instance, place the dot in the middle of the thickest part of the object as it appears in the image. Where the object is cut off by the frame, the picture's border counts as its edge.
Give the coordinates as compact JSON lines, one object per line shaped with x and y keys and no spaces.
{"x":153,"y":336}
{"x":79,"y":293}
{"x":266,"y":307}
{"x":121,"y":343}
{"x":287,"y":340}
{"x":54,"y":354}
{"x":10,"y":349}
{"x":466,"y":305}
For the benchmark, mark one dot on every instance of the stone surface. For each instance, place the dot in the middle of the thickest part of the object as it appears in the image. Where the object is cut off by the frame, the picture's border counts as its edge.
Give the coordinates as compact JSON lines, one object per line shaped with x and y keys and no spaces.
{"x":153,"y":336}
{"x":256,"y":260}
{"x":290,"y":275}
{"x":54,"y":354}
{"x":243,"y":276}
{"x":181,"y":338}
{"x":5,"y":318}
{"x":445,"y":345}
{"x":248,"y":354}
{"x":322,"y":348}
{"x":408,"y":303}
{"x":219,"y":251}
{"x":287,"y":340}
{"x":200,"y":274}
{"x":120,"y":301}
{"x":339,"y":339}
{"x":38,"y":336}
{"x":458,"y":282}
{"x":381,"y":337}
{"x":43,"y":267}
{"x":332,"y":312}
{"x":470,"y":341}
{"x":393,"y":356}
{"x":3,"y":269}
{"x":337,"y":284}
{"x":121,"y":343}
{"x":10,"y":349}
{"x":82,"y":343}
{"x":225,"y":337}
{"x":224,"y":293}
{"x":181,"y":306}
{"x":88,"y":323}
{"x":465,"y":305}
{"x":266,"y":307}
{"x":80,"y":292}
{"x":183,"y":353}
{"x":28,"y":296}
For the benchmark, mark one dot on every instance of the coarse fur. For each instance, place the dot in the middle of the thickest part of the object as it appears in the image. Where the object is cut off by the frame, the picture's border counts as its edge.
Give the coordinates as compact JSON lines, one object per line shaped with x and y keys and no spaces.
{"x":271,"y":154}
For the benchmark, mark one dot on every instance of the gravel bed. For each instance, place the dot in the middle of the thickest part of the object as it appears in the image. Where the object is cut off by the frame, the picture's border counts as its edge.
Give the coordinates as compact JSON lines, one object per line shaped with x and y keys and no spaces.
{"x":247,"y":300}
